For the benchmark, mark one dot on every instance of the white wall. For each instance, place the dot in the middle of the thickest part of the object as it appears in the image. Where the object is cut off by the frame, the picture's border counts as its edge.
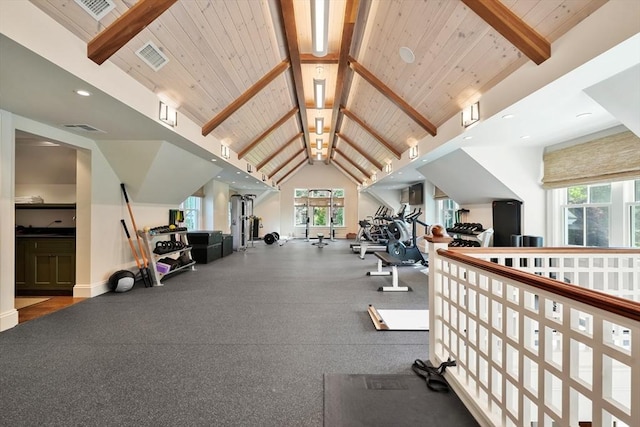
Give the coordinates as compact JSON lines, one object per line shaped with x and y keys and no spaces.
{"x":319,"y":176}
{"x":221,"y":207}
{"x":269,"y":210}
{"x":8,"y":315}
{"x":520,"y":169}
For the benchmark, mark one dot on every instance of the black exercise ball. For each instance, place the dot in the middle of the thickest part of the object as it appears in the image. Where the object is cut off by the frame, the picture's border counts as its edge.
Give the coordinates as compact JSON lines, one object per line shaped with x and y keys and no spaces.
{"x":122,"y":281}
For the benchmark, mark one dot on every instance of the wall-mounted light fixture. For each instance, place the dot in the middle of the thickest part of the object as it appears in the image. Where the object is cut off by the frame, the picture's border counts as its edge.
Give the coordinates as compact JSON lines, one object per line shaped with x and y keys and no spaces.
{"x":273,"y":183}
{"x":264,"y":177}
{"x":319,"y":144}
{"x":318,"y":93}
{"x":225,"y":152}
{"x":388,"y":168}
{"x":471,"y":114}
{"x":168,"y":115}
{"x":413,"y":152}
{"x":319,"y":155}
{"x":374,"y":177}
{"x":249,"y":168}
{"x":319,"y":125}
{"x":320,"y":26}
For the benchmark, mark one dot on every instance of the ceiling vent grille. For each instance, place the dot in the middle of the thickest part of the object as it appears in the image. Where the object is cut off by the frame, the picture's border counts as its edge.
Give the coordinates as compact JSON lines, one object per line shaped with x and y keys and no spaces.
{"x":86,"y":128}
{"x":97,"y":8}
{"x":152,"y":55}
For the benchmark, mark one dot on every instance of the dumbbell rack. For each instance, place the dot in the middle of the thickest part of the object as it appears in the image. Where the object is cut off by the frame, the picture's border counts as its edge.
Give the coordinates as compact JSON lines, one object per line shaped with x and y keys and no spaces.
{"x":468,"y":232}
{"x":151,"y":239}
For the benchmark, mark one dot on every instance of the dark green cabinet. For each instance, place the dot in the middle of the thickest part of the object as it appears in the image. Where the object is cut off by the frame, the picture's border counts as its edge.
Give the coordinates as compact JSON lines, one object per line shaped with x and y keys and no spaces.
{"x":45,"y":264}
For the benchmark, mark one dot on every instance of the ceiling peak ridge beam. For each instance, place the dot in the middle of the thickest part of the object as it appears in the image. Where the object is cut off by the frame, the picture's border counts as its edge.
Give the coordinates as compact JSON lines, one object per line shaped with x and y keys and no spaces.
{"x":329,"y":58}
{"x":393,"y":97}
{"x":267,"y":132}
{"x":512,"y":28}
{"x":350,"y":16}
{"x":212,"y":124}
{"x":286,"y":162}
{"x":290,"y":173}
{"x":363,"y":153}
{"x":357,"y":166}
{"x":371,"y":132}
{"x":278,"y":151}
{"x":345,"y":170}
{"x":288,"y":17}
{"x":126,"y":27}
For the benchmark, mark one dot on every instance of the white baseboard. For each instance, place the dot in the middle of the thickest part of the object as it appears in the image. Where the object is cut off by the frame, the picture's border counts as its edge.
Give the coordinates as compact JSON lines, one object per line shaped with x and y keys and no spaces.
{"x":8,"y":319}
{"x":90,"y":290}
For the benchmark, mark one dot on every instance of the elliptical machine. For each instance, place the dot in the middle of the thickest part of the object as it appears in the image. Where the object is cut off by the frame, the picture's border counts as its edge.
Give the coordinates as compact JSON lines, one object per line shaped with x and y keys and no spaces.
{"x":402,"y":242}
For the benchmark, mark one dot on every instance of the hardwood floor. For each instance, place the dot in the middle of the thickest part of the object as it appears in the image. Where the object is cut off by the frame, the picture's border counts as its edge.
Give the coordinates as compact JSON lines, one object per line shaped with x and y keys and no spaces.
{"x":54,"y":303}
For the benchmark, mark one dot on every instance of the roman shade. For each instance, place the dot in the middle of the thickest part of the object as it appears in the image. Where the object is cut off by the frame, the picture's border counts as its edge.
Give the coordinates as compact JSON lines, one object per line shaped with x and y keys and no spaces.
{"x":438,"y":194}
{"x":611,"y":158}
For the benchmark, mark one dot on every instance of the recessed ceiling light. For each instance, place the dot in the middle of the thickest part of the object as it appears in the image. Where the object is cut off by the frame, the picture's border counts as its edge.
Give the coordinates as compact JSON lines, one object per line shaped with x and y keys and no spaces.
{"x":214,"y":160}
{"x":238,"y":172}
{"x":407,"y":55}
{"x":583,"y":115}
{"x":83,"y":92}
{"x":508,"y":116}
{"x":525,"y":137}
{"x":467,"y":137}
{"x":399,"y":173}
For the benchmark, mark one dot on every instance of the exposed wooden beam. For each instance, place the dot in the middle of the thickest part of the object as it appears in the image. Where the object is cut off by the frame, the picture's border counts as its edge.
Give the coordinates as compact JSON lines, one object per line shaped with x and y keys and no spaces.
{"x":278,"y":151}
{"x":312,"y":106}
{"x":512,"y":28}
{"x":393,"y":97}
{"x":360,"y":151}
{"x":123,"y":29}
{"x":295,"y":168}
{"x":350,"y":14}
{"x":267,"y":132}
{"x":291,"y":37}
{"x":286,"y":162}
{"x":329,"y":58}
{"x":337,"y":163}
{"x":371,"y":132}
{"x":357,"y":166}
{"x":245,"y":97}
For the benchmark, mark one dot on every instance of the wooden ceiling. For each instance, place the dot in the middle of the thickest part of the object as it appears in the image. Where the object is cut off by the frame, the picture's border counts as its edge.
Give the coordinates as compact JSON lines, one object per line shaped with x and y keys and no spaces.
{"x":243,"y":69}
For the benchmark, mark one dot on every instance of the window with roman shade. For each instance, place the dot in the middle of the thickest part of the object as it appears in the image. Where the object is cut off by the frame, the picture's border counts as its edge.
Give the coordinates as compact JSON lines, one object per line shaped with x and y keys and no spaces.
{"x":611,"y":158}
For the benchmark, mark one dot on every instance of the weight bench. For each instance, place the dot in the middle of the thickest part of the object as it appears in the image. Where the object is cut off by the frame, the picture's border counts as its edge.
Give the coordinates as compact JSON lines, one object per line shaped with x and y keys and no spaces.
{"x":320,"y":243}
{"x":384,"y":259}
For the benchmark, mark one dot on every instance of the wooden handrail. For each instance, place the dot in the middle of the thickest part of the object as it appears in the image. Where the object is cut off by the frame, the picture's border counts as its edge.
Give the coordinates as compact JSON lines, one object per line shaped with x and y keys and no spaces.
{"x":545,"y":250}
{"x":620,"y":306}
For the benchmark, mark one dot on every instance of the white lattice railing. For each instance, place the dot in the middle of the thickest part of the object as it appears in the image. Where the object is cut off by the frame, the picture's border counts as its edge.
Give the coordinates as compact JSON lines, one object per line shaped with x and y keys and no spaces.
{"x":532,"y":351}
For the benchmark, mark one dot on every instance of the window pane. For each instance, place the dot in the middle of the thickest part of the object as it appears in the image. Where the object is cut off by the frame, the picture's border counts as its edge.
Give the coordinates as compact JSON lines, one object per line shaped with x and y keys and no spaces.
{"x":319,"y":216}
{"x":574,"y":218}
{"x":597,"y":226}
{"x":600,"y":194}
{"x":338,"y":192}
{"x":577,"y":195}
{"x":635,"y":225}
{"x":300,"y":192}
{"x":300,"y":215}
{"x":319,"y":193}
{"x":637,"y":184}
{"x":338,"y":220}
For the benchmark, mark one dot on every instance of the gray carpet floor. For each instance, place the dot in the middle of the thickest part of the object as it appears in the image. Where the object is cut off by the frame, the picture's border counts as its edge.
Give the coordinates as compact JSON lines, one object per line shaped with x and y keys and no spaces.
{"x":242,"y":341}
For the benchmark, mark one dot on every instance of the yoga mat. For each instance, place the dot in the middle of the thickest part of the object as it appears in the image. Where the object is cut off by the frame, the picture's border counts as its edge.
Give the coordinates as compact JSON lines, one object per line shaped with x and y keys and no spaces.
{"x":390,"y":400}
{"x":399,"y":320}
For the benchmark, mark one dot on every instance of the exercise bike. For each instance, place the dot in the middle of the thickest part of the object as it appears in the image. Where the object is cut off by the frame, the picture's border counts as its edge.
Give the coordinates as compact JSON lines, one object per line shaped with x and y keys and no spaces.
{"x":402,"y":242}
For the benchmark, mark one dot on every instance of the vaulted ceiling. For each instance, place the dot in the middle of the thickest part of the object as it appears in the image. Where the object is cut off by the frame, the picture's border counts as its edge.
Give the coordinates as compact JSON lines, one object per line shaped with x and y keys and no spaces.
{"x":394,"y":70}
